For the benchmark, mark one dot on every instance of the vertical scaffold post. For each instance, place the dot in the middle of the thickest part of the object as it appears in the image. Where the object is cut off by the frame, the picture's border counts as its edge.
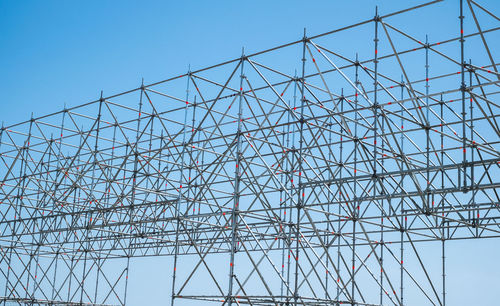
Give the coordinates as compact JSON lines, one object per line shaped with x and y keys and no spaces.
{"x":288,"y":185}
{"x":355,"y":191}
{"x":463,"y":89}
{"x":33,"y":256}
{"x":329,"y":199}
{"x":237,"y":178}
{"x":291,"y":173}
{"x":427,"y":128}
{"x":179,"y":196}
{"x":300,"y":196}
{"x":401,"y":203}
{"x":476,"y":215}
{"x":131,"y":209}
{"x":374,"y":175}
{"x":443,"y":239}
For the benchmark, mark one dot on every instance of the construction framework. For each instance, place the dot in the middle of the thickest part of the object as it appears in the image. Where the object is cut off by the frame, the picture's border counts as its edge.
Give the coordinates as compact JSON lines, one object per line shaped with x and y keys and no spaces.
{"x":322,"y":187}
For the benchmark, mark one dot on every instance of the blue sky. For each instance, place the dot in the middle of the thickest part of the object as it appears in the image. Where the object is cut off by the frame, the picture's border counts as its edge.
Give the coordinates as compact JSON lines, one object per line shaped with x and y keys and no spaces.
{"x":56,"y":52}
{"x":65,"y":52}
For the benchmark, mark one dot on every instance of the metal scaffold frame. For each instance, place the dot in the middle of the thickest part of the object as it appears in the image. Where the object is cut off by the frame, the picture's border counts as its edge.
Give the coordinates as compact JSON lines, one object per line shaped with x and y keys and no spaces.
{"x":317,"y":188}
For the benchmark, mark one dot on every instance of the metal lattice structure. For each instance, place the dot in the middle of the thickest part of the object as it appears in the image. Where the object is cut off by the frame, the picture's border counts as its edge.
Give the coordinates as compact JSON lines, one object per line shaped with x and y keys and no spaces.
{"x":318,"y":188}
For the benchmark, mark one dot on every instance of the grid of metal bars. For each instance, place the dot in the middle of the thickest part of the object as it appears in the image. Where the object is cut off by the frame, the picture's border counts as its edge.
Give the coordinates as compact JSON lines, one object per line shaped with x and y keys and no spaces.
{"x":272,"y":188}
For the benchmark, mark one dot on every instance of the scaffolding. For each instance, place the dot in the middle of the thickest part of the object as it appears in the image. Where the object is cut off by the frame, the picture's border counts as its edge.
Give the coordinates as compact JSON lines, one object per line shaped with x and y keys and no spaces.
{"x":319,"y":187}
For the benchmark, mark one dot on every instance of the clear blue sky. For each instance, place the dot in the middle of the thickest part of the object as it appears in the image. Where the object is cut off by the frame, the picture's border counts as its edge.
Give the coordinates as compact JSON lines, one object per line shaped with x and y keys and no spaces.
{"x":57,"y":52}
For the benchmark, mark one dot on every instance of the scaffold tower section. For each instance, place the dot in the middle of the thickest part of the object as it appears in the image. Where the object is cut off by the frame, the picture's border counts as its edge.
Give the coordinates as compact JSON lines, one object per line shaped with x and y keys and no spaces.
{"x":313,"y":173}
